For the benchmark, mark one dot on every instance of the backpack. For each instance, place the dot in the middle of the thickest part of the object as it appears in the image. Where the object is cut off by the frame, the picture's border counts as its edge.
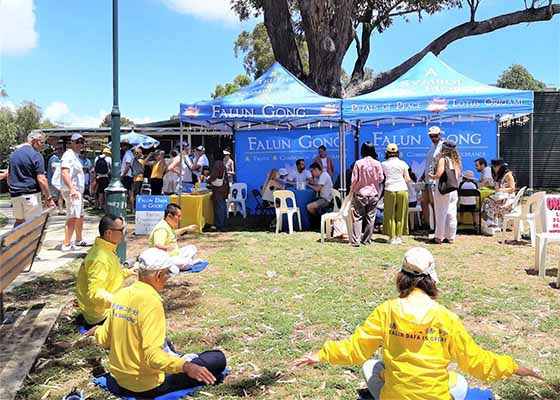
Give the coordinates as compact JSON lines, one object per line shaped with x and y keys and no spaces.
{"x":448,"y":181}
{"x":101,"y":166}
{"x":137,"y":168}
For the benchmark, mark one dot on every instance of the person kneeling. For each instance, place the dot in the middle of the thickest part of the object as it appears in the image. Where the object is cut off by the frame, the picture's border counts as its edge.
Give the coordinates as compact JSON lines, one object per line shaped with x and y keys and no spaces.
{"x":418,"y":338}
{"x":135,"y":335}
{"x":164,"y":237}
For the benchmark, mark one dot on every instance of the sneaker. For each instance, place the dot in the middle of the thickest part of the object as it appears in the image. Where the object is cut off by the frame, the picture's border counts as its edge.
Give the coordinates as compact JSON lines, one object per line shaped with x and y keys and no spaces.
{"x":392,"y":241}
{"x":398,"y":240}
{"x":70,"y":247}
{"x":81,"y":243}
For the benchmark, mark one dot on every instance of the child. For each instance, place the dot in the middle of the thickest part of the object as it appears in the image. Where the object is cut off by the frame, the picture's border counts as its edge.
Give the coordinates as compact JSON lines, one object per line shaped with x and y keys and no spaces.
{"x":469,"y":202}
{"x":203,"y":178}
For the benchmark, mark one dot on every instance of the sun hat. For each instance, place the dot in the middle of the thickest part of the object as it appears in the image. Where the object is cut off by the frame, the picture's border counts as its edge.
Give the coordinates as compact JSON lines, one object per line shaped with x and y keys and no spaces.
{"x":283,"y":171}
{"x":154,"y":259}
{"x":200,"y":148}
{"x":419,"y":261}
{"x":468,"y":175}
{"x":434,"y":130}
{"x":76,"y":136}
{"x":107,"y":151}
{"x":392,"y":148}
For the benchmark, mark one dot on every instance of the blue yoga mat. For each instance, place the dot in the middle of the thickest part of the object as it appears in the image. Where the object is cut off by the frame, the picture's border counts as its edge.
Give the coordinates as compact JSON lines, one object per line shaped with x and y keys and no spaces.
{"x":108,"y":383}
{"x":198,"y":267}
{"x":82,"y":329}
{"x":472,"y":394}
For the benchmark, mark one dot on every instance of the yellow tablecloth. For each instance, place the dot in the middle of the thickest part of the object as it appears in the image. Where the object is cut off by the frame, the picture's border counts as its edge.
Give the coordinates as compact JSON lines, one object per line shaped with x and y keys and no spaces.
{"x":197,"y":209}
{"x":484,"y":193}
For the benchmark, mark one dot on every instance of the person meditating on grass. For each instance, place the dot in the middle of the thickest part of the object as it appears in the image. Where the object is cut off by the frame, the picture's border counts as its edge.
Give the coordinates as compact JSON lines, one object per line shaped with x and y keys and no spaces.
{"x":418,"y":339}
{"x":101,"y":275}
{"x":164,"y":237}
{"x":135,"y":333}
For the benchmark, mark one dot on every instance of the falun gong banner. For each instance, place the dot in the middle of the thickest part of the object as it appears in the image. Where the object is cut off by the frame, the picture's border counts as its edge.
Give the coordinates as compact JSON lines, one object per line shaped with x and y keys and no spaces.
{"x":474,"y":140}
{"x":259,"y":151}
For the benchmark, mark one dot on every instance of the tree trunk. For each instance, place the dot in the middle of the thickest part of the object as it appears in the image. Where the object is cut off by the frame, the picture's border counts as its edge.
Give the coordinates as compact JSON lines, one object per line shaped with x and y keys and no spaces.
{"x":328,"y":31}
{"x":461,"y":31}
{"x":363,"y":50}
{"x":278,"y":22}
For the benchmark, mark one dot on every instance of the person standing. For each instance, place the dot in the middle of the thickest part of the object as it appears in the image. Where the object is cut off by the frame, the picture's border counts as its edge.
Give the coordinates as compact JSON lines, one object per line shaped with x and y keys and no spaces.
{"x":126,"y":171}
{"x":137,"y":172}
{"x":157,"y":161}
{"x":427,"y":200}
{"x":182,"y":166}
{"x":200,"y":161}
{"x":325,"y":161}
{"x":72,"y":190}
{"x":52,"y":165}
{"x":446,"y":204}
{"x":367,"y":176}
{"x":395,"y":212}
{"x":26,"y":179}
{"x":86,"y":164}
{"x":220,"y":190}
{"x":230,"y":165}
{"x":102,"y":171}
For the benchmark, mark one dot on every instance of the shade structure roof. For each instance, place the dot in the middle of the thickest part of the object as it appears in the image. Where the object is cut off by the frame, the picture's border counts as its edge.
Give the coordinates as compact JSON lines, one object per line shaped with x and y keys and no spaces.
{"x":276,"y":97}
{"x":432,"y":91}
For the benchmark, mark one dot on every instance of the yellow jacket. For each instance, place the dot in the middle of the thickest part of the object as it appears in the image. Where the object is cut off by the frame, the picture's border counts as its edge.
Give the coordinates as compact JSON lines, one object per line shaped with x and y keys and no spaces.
{"x":99,"y":277}
{"x":135,"y":334}
{"x":418,"y":338}
{"x":164,"y":235}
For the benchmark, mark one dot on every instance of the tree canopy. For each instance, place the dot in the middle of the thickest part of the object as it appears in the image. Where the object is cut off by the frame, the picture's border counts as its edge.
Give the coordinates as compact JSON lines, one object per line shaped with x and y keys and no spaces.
{"x":518,"y":77}
{"x":229,"y":88}
{"x":106,"y":123}
{"x":330,"y":27}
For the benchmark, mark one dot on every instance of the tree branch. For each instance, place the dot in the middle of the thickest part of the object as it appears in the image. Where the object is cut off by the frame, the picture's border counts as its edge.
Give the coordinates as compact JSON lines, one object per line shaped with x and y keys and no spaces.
{"x":545,"y":13}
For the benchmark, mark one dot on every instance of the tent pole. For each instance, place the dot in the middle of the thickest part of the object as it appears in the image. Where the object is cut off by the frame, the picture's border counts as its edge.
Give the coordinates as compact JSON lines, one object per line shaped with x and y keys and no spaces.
{"x":498,"y":139}
{"x":531,"y":158}
{"x":357,"y":141}
{"x":342,"y":150}
{"x":181,"y":161}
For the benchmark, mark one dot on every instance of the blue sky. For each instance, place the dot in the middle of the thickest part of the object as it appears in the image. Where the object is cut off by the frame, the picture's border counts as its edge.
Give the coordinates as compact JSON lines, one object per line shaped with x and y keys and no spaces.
{"x":58,"y":52}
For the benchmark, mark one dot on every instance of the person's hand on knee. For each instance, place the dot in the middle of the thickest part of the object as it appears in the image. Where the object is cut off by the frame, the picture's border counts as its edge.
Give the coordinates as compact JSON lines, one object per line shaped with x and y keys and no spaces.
{"x":199,"y":373}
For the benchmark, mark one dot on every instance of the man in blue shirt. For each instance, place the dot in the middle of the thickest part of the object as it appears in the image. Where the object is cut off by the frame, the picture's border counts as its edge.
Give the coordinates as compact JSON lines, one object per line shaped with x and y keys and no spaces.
{"x":52,"y":165}
{"x":26,"y":179}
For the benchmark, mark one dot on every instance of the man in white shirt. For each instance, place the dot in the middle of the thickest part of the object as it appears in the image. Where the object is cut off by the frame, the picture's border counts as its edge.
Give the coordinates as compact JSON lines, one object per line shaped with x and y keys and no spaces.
{"x":72,"y":190}
{"x":485,"y":171}
{"x":200,"y":161}
{"x":427,"y":200}
{"x":300,"y":175}
{"x":126,"y":171}
{"x":182,"y":166}
{"x":323,"y":185}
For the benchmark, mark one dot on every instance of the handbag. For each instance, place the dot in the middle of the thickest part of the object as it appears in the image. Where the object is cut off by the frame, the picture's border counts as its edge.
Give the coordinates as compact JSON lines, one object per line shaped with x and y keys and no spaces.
{"x":448,"y":181}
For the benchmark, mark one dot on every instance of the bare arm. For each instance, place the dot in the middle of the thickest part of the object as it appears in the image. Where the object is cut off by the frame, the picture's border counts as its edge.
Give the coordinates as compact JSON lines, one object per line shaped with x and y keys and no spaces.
{"x":510,"y":184}
{"x":406,"y":176}
{"x":440,"y":169}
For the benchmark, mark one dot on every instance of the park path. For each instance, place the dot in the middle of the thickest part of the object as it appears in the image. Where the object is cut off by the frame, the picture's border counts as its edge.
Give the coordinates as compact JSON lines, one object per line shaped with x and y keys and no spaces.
{"x":50,"y":257}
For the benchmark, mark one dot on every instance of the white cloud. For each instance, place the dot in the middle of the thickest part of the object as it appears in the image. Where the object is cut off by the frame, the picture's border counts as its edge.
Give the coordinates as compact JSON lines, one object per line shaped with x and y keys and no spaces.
{"x":213,"y":10}
{"x":59,"y":113}
{"x":17,"y":26}
{"x":10,"y":105}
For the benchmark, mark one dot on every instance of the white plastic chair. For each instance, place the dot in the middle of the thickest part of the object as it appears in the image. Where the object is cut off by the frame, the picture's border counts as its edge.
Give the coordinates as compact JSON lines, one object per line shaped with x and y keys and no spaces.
{"x":528,"y":213}
{"x":337,"y":199}
{"x":515,"y":207}
{"x":414,"y":213}
{"x":237,"y":197}
{"x":281,"y":198}
{"x":343,"y":213}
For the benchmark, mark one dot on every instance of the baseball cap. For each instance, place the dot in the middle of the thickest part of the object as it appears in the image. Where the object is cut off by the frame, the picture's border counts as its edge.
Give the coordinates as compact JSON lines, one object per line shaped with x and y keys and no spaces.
{"x":392,"y":148}
{"x":107,"y":151}
{"x":154,"y":259}
{"x":283,"y":171}
{"x":76,"y":136}
{"x":200,"y":148}
{"x":185,"y":145}
{"x":449,"y":144}
{"x":226,"y":153}
{"x":434,"y":130}
{"x":419,"y":261}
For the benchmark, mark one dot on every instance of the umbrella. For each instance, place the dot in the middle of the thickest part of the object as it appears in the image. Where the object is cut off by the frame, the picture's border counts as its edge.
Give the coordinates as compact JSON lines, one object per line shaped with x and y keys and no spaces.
{"x":137,"y":139}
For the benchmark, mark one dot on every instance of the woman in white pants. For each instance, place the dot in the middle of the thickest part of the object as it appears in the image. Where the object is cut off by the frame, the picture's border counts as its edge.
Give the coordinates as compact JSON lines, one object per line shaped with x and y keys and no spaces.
{"x":445,"y":205}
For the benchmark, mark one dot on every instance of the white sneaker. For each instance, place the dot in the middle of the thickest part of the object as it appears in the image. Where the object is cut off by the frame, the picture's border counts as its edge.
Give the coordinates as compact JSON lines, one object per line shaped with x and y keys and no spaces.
{"x":82,"y":243}
{"x":70,"y":247}
{"x":398,"y":240}
{"x":392,"y":241}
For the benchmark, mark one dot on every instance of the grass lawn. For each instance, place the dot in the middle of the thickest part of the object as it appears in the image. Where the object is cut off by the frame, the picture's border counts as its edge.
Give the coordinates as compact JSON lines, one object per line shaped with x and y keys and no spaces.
{"x":267,"y":299}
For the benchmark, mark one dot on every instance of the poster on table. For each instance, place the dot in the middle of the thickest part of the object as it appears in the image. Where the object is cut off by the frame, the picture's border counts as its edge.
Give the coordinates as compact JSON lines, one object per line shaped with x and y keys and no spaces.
{"x":552,"y":214}
{"x":259,"y":151}
{"x":477,"y":139}
{"x":149,"y":211}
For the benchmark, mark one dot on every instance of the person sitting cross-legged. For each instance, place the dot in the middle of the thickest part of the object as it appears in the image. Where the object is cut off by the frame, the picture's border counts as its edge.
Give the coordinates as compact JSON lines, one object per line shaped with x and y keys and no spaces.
{"x":135,"y":334}
{"x":101,"y":275}
{"x":164,"y":237}
{"x":418,"y":338}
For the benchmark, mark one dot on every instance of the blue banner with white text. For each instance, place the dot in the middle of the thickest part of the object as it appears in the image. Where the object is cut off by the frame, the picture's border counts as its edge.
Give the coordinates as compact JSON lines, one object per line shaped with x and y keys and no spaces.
{"x":259,"y":151}
{"x":474,"y":140}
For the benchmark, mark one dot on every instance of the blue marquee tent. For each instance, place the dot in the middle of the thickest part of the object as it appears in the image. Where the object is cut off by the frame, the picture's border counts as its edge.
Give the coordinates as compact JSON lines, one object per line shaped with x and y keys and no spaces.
{"x":276,"y":97}
{"x":433,"y":91}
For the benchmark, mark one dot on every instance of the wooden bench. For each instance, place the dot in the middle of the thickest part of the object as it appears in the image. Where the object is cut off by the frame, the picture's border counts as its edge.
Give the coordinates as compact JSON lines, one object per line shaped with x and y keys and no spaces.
{"x":18,"y":248}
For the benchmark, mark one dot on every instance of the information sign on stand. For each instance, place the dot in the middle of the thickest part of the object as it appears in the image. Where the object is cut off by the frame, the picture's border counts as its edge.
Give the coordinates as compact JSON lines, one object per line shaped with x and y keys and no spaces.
{"x":149,"y":211}
{"x":552,"y":214}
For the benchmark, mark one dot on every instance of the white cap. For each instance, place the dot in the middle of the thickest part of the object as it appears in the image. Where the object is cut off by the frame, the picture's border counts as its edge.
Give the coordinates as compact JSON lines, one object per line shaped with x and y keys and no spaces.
{"x":419,"y":261}
{"x":434,"y":130}
{"x":283,"y":171}
{"x":154,"y":259}
{"x":226,"y":153}
{"x":76,"y":136}
{"x":200,"y":148}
